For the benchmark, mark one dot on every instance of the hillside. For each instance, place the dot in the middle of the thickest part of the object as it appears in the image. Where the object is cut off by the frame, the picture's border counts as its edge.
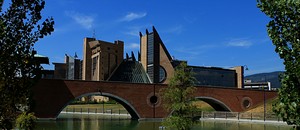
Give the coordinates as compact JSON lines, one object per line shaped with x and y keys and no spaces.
{"x":272,"y":77}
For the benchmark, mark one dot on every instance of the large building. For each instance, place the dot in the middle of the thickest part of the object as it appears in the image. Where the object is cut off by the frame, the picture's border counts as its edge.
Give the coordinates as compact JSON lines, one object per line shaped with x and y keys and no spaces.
{"x":100,"y":58}
{"x":219,"y":77}
{"x":104,"y":61}
{"x":155,"y":58}
{"x":70,"y":69}
{"x":130,"y":70}
{"x":159,"y":65}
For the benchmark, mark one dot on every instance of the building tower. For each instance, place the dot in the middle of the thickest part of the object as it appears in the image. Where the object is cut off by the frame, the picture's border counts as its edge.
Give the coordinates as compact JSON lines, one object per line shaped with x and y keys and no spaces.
{"x":100,"y":58}
{"x":154,"y":57}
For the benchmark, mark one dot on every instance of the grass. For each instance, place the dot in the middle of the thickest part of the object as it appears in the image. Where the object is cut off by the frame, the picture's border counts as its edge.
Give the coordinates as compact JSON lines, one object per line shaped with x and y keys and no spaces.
{"x":260,"y":108}
{"x":203,"y":106}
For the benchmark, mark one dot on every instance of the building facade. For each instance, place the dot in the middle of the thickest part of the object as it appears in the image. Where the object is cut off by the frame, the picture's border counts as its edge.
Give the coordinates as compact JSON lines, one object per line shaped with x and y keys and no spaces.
{"x":215,"y":76}
{"x":73,"y":68}
{"x":131,"y":71}
{"x":104,"y":61}
{"x":100,"y":58}
{"x":70,"y":69}
{"x":155,"y":58}
{"x":160,"y":66}
{"x":60,"y":70}
{"x":248,"y":84}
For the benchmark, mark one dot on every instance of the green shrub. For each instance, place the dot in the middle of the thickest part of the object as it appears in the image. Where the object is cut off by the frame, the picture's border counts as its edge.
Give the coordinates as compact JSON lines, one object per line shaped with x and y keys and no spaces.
{"x":26,"y":121}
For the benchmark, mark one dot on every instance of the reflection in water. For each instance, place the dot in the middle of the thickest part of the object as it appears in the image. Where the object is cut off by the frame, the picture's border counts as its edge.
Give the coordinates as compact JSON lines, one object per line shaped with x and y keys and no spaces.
{"x":100,"y":122}
{"x":232,"y":125}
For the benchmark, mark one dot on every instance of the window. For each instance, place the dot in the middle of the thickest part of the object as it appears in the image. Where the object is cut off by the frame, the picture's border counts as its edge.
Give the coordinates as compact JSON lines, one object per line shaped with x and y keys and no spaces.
{"x":150,"y":71}
{"x":162,"y":74}
{"x":150,"y":49}
{"x":94,"y":64}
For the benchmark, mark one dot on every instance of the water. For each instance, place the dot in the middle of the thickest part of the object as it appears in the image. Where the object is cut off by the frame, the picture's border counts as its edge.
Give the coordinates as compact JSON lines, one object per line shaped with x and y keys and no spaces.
{"x":100,"y":122}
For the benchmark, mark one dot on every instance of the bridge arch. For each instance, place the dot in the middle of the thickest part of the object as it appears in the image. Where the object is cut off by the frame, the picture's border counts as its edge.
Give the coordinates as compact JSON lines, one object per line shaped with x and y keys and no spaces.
{"x":215,"y":103}
{"x":131,"y":110}
{"x":52,"y":95}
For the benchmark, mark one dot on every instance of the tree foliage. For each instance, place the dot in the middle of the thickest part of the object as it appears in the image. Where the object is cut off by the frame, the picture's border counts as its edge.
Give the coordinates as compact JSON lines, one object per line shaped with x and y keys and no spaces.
{"x":284,"y":31}
{"x":26,"y":121}
{"x":20,"y":29}
{"x":177,"y":98}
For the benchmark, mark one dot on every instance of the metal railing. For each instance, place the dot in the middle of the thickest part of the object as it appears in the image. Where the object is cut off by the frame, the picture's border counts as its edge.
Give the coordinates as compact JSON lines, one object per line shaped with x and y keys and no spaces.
{"x":241,"y":116}
{"x":121,"y":112}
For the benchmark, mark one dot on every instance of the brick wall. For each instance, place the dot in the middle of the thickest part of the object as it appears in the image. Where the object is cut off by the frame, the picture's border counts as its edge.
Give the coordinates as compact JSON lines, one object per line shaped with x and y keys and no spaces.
{"x":52,"y":96}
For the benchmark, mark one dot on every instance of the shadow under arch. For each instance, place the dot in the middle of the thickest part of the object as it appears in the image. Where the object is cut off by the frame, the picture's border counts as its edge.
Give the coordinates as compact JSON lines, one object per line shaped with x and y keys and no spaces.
{"x":131,"y":110}
{"x":215,"y":103}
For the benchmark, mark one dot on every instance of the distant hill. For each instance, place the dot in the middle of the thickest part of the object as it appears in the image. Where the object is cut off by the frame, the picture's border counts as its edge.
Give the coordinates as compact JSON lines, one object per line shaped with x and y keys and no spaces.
{"x":272,"y":77}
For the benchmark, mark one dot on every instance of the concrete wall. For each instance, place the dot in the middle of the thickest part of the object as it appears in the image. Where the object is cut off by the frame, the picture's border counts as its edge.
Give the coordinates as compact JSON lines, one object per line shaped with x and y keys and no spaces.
{"x":86,"y":63}
{"x":143,"y":49}
{"x":166,"y":64}
{"x":109,"y":56}
{"x":239,"y":76}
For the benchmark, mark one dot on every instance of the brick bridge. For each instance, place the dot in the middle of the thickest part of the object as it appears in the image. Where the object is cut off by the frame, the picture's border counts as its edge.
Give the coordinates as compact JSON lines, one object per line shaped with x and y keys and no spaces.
{"x":52,"y":96}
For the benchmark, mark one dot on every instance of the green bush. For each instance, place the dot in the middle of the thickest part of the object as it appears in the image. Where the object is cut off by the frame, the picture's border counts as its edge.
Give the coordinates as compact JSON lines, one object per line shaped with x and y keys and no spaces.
{"x":110,"y":101}
{"x":83,"y":102}
{"x":26,"y":121}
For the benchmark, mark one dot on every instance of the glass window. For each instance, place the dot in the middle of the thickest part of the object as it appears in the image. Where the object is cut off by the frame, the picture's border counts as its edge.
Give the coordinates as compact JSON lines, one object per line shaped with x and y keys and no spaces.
{"x":162,"y":74}
{"x":150,"y":49}
{"x":94,"y":65}
{"x":70,"y":70}
{"x":150,"y":70}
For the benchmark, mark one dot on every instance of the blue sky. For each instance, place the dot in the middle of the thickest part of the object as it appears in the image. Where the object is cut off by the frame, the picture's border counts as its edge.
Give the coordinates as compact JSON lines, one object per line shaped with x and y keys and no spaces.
{"x":205,"y":33}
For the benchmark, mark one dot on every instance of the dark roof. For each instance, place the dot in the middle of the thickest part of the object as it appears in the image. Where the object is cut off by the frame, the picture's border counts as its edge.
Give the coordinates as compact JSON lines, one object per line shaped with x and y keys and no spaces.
{"x":130,"y":71}
{"x":40,"y":59}
{"x":213,"y":68}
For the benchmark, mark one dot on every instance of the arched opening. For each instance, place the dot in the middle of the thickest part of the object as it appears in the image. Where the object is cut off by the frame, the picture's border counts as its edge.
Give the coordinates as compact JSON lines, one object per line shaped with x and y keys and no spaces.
{"x":130,"y":109}
{"x":216,"y":104}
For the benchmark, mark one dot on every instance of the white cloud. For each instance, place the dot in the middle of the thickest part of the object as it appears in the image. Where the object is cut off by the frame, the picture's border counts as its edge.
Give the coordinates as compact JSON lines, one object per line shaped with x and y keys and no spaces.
{"x":134,"y":30}
{"x":242,"y":42}
{"x":132,"y":16}
{"x":85,"y":21}
{"x":133,"y":46}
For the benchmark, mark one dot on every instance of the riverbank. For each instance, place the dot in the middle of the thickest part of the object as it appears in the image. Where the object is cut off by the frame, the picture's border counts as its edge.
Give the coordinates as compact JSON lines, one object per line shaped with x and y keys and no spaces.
{"x":245,"y":121}
{"x":218,"y":117}
{"x":107,"y":114}
{"x":106,"y":122}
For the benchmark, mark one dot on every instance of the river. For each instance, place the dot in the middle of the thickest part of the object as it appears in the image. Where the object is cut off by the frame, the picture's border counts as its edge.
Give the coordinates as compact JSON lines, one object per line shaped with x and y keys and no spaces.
{"x":108,"y":122}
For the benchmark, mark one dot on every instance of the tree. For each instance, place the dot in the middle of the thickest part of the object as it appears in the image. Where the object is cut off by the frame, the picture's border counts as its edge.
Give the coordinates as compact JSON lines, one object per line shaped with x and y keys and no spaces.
{"x":20,"y":29}
{"x":26,"y":121}
{"x":284,"y":31}
{"x":177,"y":98}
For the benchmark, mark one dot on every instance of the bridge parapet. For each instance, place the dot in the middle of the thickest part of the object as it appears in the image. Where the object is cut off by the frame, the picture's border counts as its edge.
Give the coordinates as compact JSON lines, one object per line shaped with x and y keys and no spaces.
{"x":52,"y":96}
